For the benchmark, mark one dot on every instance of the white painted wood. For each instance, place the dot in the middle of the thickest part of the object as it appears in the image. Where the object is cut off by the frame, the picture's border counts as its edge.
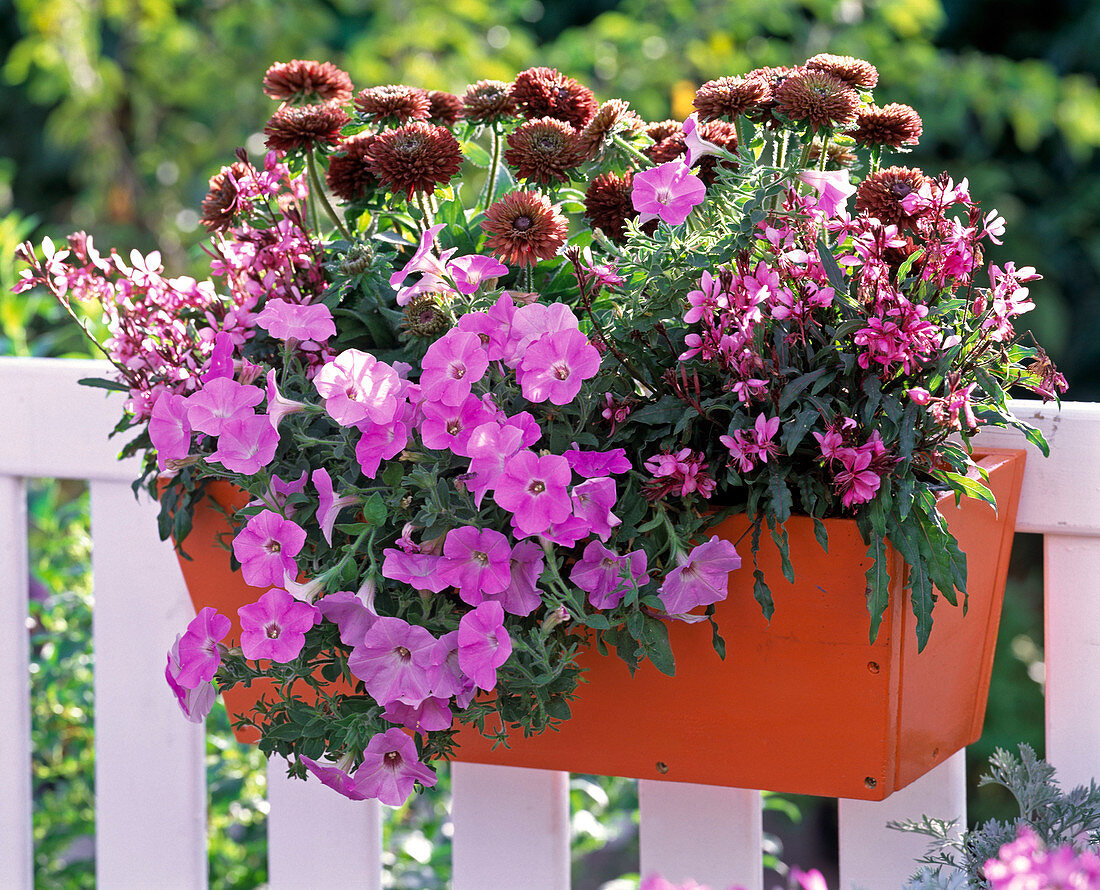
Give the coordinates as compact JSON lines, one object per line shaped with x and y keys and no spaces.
{"x":873,"y":856}
{"x":1061,"y":494}
{"x":54,"y":427}
{"x":16,"y":842}
{"x":150,"y":774}
{"x":710,"y":835}
{"x":511,"y":828}
{"x":318,"y":838}
{"x":1072,"y":653}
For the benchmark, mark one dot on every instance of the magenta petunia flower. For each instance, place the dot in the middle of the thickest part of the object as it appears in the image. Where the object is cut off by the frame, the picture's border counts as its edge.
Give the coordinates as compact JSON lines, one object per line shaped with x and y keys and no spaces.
{"x":335,"y":777}
{"x":430,"y":715}
{"x":668,"y":191}
{"x":701,"y":578}
{"x":378,"y":442}
{"x":469,"y":272}
{"x":446,"y":676}
{"x":198,"y":651}
{"x":246,"y":444}
{"x":393,"y":661}
{"x":294,"y":321}
{"x":328,"y":506}
{"x":277,"y":406}
{"x":418,"y":570}
{"x":169,"y":428}
{"x":489,"y":446}
{"x":476,"y":561}
{"x":195,"y":703}
{"x":592,"y":502}
{"x":592,"y":464}
{"x":483,"y":644}
{"x":423,"y":260}
{"x":391,"y":768}
{"x":451,"y":366}
{"x":533,"y":489}
{"x":219,"y":401}
{"x":357,"y":387}
{"x":266,"y":548}
{"x":275,"y":626}
{"x":350,"y":613}
{"x":554,"y":366}
{"x":606,"y":576}
{"x":522,"y":596}
{"x":697,"y":147}
{"x":532,"y":322}
{"x":448,"y":428}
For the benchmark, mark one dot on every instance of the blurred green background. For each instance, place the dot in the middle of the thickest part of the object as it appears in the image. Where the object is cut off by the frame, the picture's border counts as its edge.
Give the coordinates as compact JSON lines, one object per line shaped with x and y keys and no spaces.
{"x":114,"y":114}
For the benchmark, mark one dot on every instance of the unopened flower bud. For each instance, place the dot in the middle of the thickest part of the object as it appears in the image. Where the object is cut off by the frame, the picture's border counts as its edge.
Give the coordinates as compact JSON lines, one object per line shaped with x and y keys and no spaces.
{"x":559,"y":616}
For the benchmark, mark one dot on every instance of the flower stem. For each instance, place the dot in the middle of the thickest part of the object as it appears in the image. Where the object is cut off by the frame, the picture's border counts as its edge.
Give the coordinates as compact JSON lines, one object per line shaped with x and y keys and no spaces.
{"x":494,"y":166}
{"x":319,"y":191}
{"x":632,"y":151}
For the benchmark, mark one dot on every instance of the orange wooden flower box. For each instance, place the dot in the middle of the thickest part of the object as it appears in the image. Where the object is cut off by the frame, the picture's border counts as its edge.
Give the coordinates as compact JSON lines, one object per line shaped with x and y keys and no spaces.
{"x":803,"y":704}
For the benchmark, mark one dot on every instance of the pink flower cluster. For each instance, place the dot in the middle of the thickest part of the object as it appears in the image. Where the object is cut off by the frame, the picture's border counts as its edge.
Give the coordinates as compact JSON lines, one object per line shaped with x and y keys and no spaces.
{"x":746,"y":447}
{"x":682,"y":474}
{"x":1026,"y":864}
{"x":862,"y":467}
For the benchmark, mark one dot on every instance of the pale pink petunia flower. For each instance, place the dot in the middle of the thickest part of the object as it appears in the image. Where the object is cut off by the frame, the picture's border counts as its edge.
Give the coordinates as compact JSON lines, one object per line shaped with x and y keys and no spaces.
{"x":418,"y":570}
{"x":483,"y":644}
{"x":469,"y":272}
{"x":295,"y":321}
{"x":335,"y":777}
{"x":197,"y":649}
{"x":451,"y":366}
{"x":195,"y":703}
{"x":431,"y":715}
{"x":357,"y":387}
{"x":220,"y":401}
{"x":592,"y":502}
{"x":274,"y":627}
{"x":277,"y":406}
{"x":698,"y":147}
{"x":328,"y":506}
{"x":607,"y":576}
{"x":521,"y":596}
{"x":423,"y":260}
{"x":246,"y":444}
{"x":378,"y":442}
{"x":266,"y":548}
{"x":351,"y":612}
{"x":391,"y":768}
{"x":169,"y":429}
{"x":669,"y":192}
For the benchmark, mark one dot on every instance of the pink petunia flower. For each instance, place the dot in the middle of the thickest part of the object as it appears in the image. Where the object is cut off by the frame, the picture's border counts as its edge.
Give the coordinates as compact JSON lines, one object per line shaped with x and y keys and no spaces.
{"x":668,"y":191}
{"x":295,"y":321}
{"x":606,"y":576}
{"x":521,"y":596}
{"x":533,"y":489}
{"x":489,"y":446}
{"x":476,"y":561}
{"x":592,"y":502}
{"x":469,"y":272}
{"x":335,"y":777}
{"x":701,"y":578}
{"x":378,"y":442}
{"x":266,"y":548}
{"x":357,"y":387}
{"x":555,"y":365}
{"x":349,"y":612}
{"x":446,"y":675}
{"x":446,"y":427}
{"x":431,"y":715}
{"x":451,"y":366}
{"x":197,"y":649}
{"x":483,"y":644}
{"x":391,"y":768}
{"x":195,"y":703}
{"x":393,"y":661}
{"x":169,"y":428}
{"x":697,"y":147}
{"x":220,"y":363}
{"x":275,"y":626}
{"x":328,"y":506}
{"x":418,"y":570}
{"x":246,"y":444}
{"x":277,"y":406}
{"x":219,"y":401}
{"x":592,"y":464}
{"x":424,"y":261}
{"x":833,"y":188}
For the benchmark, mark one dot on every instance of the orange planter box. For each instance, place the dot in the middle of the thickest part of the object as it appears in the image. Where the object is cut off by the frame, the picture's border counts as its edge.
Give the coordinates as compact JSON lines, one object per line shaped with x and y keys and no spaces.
{"x":803,"y":704}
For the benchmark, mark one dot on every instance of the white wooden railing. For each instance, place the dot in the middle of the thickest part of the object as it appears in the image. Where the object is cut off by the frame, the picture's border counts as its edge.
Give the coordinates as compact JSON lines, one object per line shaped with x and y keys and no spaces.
{"x":511,"y":826}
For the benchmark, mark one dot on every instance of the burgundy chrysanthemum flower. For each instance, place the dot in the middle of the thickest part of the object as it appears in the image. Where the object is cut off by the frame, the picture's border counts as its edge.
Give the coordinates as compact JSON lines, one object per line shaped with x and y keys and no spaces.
{"x":349,"y":173}
{"x":487,"y":101}
{"x":612,"y":118}
{"x":220,"y":204}
{"x":304,"y":80}
{"x":523,"y":228}
{"x":444,"y":108}
{"x":772,"y":78}
{"x":394,"y":102}
{"x":728,"y":97}
{"x":818,"y":99}
{"x":608,"y":206}
{"x":299,"y":128}
{"x":546,"y":92}
{"x":543,"y":150}
{"x":668,"y":141}
{"x":880,"y":194}
{"x":415,"y":157}
{"x":854,"y":72}
{"x":894,"y":125}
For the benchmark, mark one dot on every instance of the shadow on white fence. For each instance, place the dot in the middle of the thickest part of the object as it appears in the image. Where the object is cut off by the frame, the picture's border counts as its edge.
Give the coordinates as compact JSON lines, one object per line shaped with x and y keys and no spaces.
{"x":511,"y":826}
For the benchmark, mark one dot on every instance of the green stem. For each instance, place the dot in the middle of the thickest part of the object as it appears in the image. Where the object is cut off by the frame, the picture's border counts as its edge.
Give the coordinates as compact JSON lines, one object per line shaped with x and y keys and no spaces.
{"x":494,"y":166}
{"x":632,"y":151}
{"x":739,"y":126}
{"x":319,"y":191}
{"x":824,"y":159}
{"x":425,"y":208}
{"x":804,"y":158}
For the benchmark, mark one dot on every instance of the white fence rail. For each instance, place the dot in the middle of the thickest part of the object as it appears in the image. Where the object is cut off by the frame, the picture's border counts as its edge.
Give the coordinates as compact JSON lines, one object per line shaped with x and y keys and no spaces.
{"x":511,"y":826}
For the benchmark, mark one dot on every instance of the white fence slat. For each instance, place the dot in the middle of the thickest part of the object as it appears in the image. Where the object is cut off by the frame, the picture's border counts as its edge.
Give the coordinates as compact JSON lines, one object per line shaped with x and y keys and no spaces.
{"x":150,"y":772}
{"x":318,"y":838}
{"x":874,"y":857}
{"x":1072,"y":647}
{"x":710,"y":835}
{"x":16,"y":841}
{"x":511,"y":828}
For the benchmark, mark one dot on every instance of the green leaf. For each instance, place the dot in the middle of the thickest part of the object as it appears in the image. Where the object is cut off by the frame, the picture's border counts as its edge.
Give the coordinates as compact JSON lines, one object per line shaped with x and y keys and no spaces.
{"x":822,"y":534}
{"x":791,"y":391}
{"x":972,"y":487}
{"x":477,"y":155}
{"x":666,"y":410}
{"x":112,"y":385}
{"x":762,"y":594}
{"x":655,"y":646}
{"x":374,"y":510}
{"x":795,"y":431}
{"x":832,"y":270}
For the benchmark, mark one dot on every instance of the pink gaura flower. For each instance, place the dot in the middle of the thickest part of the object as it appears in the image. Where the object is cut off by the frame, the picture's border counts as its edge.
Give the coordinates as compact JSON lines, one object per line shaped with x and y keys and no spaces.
{"x":534,"y":490}
{"x":606,"y":576}
{"x":856,"y":483}
{"x":555,"y":365}
{"x":483,"y":644}
{"x":451,"y":366}
{"x":668,"y":191}
{"x":197,"y":649}
{"x":393,"y":661}
{"x":701,"y":578}
{"x":469,"y":272}
{"x":275,"y":626}
{"x":169,"y":428}
{"x":195,"y":703}
{"x":295,"y":321}
{"x":476,"y":561}
{"x":391,"y":768}
{"x":246,"y":444}
{"x":221,"y":400}
{"x":266,"y":548}
{"x":357,"y":387}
